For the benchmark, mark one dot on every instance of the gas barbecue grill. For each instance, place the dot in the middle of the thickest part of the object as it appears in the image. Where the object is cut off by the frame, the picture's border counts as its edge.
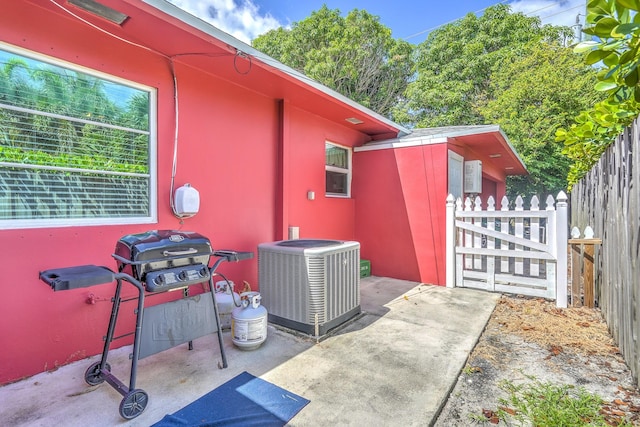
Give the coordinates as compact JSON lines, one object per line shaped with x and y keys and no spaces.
{"x":153,"y":262}
{"x":164,"y":260}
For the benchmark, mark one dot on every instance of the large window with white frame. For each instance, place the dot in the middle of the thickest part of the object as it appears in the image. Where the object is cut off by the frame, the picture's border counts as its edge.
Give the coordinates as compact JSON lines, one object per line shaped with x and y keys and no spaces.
{"x":337,"y":170}
{"x":77,"y":146}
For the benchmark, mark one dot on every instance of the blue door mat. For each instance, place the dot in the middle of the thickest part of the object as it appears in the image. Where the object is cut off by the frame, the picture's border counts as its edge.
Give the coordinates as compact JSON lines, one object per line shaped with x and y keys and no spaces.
{"x":245,"y":400}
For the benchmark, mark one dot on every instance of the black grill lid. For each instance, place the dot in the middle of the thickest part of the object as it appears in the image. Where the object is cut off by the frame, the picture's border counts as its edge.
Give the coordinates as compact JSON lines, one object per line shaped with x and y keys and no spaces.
{"x":160,"y":249}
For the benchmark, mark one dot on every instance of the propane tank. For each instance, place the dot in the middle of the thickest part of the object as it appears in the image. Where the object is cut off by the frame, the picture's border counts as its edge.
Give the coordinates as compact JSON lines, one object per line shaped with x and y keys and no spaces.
{"x":249,"y":322}
{"x":227,"y":300}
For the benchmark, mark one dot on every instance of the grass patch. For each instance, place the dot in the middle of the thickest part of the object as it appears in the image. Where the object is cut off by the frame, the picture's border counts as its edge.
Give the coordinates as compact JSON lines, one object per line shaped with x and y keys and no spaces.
{"x":544,"y":404}
{"x":470,"y":370}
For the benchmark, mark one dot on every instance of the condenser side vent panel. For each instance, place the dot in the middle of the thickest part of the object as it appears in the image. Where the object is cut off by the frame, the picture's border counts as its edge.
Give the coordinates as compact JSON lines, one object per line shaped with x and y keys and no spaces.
{"x":311,"y":289}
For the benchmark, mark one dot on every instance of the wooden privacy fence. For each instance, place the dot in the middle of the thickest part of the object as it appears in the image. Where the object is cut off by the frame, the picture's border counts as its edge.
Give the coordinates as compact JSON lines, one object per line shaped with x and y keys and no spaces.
{"x":514,"y":251}
{"x":582,"y":257}
{"x":608,"y":199}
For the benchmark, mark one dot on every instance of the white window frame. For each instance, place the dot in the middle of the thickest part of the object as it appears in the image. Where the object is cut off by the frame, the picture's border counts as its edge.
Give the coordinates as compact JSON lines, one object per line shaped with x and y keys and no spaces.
{"x":347,"y":171}
{"x":152,"y":153}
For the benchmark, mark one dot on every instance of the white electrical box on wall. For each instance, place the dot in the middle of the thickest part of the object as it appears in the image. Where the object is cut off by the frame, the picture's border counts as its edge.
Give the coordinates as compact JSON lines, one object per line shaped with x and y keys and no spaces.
{"x":473,"y":176}
{"x":187,"y":200}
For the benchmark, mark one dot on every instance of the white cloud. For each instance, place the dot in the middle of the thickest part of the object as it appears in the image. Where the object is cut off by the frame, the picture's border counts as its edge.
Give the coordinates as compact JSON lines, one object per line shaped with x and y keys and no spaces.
{"x":244,"y":20}
{"x":240,"y":18}
{"x":555,"y":12}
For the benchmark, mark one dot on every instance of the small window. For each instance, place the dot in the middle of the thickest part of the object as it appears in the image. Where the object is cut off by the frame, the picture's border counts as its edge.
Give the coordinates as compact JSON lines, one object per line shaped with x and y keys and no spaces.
{"x":77,"y":147}
{"x":337,"y":170}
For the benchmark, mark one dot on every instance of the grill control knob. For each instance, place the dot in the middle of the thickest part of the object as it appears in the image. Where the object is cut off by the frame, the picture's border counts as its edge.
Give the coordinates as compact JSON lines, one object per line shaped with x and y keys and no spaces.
{"x":203,"y":272}
{"x":182,"y":275}
{"x":158,"y":280}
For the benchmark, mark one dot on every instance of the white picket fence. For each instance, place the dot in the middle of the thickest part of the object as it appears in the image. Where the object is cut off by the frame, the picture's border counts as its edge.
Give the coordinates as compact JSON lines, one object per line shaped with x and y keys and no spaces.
{"x":513,"y":251}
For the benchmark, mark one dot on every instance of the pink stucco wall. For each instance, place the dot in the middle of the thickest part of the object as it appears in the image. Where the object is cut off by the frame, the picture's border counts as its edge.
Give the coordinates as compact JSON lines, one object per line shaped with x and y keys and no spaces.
{"x":400,"y":199}
{"x":400,"y":210}
{"x":230,"y":146}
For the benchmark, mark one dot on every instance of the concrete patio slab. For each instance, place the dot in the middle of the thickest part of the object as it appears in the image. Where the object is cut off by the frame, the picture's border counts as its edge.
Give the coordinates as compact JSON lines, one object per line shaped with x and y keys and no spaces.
{"x":393,"y":365}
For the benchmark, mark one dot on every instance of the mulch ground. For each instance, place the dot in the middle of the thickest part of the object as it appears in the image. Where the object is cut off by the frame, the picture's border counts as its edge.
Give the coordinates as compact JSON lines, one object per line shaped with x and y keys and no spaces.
{"x":529,"y":338}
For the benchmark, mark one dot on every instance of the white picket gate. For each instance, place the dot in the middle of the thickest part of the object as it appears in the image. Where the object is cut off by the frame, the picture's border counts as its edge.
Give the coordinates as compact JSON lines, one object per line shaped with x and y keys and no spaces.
{"x":513,"y":251}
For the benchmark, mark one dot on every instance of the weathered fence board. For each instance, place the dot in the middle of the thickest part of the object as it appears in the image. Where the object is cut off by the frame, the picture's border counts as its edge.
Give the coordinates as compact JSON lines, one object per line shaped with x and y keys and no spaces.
{"x":607,"y":199}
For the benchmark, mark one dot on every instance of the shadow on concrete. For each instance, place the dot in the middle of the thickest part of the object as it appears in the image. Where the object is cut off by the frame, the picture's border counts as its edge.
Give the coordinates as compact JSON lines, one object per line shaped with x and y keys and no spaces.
{"x":393,"y":364}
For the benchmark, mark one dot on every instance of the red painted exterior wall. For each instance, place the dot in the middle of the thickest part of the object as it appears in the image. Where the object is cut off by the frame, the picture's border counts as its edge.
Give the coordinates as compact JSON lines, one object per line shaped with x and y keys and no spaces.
{"x":230,"y":145}
{"x":252,"y":144}
{"x":323,"y":217}
{"x":400,"y":198}
{"x":400,"y":211}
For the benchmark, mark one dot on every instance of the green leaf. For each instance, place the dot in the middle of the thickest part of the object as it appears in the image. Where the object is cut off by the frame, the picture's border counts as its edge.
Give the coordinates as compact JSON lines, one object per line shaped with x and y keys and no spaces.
{"x":611,"y":60}
{"x":585,"y":46}
{"x":605,"y":86}
{"x":599,"y":4}
{"x":596,"y":56}
{"x":608,"y":74}
{"x":628,"y":56}
{"x":629,"y":4}
{"x":618,"y":44}
{"x":625,"y":29}
{"x":604,"y":27}
{"x":631,"y":79}
{"x":622,"y":94}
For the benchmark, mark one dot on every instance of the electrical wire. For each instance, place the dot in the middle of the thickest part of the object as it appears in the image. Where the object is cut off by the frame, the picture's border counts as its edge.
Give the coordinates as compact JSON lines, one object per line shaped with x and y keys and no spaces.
{"x":500,"y":2}
{"x":450,"y":22}
{"x":243,"y":55}
{"x":174,"y":165}
{"x":266,"y":60}
{"x":102,"y":30}
{"x":562,"y":11}
{"x":170,"y":59}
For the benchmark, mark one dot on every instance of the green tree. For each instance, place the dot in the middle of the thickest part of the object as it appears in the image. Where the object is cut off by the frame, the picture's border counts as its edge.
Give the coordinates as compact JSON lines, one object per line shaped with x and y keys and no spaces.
{"x":503,"y":68}
{"x":29,"y":136}
{"x":534,"y":95}
{"x":354,"y":55}
{"x":455,"y":65}
{"x":615,"y":24}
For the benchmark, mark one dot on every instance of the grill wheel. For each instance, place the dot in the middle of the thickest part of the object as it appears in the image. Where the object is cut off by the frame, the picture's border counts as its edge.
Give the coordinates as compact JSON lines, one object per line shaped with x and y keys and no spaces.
{"x":92,"y":375}
{"x":133,"y":404}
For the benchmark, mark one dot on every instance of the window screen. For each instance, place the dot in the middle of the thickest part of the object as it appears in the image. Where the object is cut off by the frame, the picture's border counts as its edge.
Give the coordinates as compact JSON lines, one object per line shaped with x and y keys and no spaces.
{"x":74,"y":145}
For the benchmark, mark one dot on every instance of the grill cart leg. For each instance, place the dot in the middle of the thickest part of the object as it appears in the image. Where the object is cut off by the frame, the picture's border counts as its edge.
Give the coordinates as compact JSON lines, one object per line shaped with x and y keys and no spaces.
{"x":97,"y":373}
{"x":217,"y":315}
{"x":223,"y":255}
{"x":185,"y":294}
{"x":138,"y":335}
{"x":109,"y":338}
{"x":134,"y":400}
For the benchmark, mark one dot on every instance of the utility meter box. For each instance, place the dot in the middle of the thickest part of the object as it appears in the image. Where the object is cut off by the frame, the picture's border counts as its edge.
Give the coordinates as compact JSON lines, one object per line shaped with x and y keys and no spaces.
{"x":473,"y":176}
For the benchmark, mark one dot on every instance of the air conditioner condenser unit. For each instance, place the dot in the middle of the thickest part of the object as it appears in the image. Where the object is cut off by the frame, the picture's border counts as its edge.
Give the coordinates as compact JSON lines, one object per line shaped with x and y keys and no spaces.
{"x":310,"y":285}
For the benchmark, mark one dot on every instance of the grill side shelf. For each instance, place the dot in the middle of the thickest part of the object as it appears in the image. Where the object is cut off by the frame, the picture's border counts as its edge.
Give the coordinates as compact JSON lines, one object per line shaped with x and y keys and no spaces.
{"x":230,"y":255}
{"x":83,"y":276}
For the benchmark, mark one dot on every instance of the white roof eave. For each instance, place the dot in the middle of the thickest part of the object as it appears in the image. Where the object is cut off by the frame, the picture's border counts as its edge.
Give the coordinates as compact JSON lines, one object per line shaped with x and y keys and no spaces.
{"x":201,"y":25}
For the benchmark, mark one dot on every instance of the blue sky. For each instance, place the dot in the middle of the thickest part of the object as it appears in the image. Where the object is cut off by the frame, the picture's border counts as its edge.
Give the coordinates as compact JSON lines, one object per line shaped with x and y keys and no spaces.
{"x":408,"y":19}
